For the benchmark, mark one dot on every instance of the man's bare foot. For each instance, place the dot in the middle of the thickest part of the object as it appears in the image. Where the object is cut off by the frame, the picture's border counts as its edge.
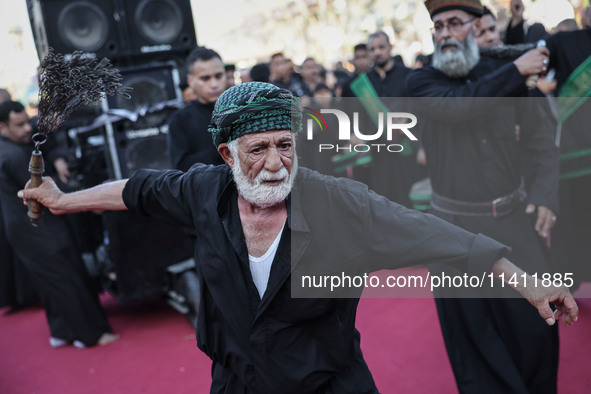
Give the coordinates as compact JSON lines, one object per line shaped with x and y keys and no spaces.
{"x":107,"y":338}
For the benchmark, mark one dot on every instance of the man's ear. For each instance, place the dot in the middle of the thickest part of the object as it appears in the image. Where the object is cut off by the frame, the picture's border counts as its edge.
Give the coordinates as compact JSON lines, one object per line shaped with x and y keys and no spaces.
{"x":224,"y":151}
{"x":3,"y":128}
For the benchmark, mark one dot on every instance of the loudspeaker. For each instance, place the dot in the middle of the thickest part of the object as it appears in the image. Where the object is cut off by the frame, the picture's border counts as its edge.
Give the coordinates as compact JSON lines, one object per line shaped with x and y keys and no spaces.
{"x":139,"y":138}
{"x":159,"y":30}
{"x":128,"y":32}
{"x":81,"y":25}
{"x":87,"y":159}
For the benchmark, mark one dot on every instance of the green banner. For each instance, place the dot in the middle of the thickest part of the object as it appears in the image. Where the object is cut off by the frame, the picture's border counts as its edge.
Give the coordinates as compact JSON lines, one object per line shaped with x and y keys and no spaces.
{"x":575,"y":91}
{"x":363,"y":88}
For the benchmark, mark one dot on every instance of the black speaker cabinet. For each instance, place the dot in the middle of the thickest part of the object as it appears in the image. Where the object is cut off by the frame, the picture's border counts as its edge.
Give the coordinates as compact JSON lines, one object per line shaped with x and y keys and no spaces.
{"x":128,"y":32}
{"x":139,"y":140}
{"x":88,"y":159}
{"x":159,"y":29}
{"x":81,"y":25}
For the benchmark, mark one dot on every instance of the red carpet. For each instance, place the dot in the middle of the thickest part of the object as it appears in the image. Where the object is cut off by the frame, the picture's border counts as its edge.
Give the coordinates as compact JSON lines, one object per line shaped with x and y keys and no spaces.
{"x":157,"y":353}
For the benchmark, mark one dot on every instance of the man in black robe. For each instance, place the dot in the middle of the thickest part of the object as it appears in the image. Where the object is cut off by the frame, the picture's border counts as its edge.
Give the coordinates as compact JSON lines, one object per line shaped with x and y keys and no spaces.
{"x":72,"y":307}
{"x":262,"y":229}
{"x":474,"y":159}
{"x":189,"y":142}
{"x":16,"y":290}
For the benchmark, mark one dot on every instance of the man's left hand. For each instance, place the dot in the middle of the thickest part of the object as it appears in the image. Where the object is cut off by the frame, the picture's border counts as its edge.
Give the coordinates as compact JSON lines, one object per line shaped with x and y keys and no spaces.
{"x":541,"y":297}
{"x":546,"y":218}
{"x":539,"y":293}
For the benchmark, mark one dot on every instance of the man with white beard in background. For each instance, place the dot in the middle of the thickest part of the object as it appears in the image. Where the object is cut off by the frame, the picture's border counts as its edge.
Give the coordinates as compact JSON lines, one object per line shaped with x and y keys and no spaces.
{"x":262,"y":224}
{"x":476,"y":173}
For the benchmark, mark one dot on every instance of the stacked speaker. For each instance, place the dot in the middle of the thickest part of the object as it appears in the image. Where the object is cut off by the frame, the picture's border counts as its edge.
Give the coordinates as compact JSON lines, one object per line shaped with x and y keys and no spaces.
{"x":139,"y":138}
{"x":127,"y":32}
{"x":148,"y":41}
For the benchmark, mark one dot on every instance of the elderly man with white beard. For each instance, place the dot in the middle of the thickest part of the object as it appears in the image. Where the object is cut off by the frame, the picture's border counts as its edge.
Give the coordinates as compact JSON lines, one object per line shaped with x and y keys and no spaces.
{"x":261,"y":222}
{"x":476,"y":167}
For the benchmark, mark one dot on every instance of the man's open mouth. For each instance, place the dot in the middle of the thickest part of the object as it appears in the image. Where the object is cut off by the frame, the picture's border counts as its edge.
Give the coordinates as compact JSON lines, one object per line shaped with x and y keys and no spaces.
{"x":272,"y":182}
{"x":449,"y":46}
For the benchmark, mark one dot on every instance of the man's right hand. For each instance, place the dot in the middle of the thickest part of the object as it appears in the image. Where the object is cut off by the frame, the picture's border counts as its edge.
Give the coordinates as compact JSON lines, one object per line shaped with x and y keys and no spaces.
{"x":106,"y":196}
{"x":47,"y":194}
{"x":533,"y":62}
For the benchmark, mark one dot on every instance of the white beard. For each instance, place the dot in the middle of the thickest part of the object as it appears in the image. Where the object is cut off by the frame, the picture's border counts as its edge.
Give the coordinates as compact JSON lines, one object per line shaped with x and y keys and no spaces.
{"x":256,"y":191}
{"x":458,"y":63}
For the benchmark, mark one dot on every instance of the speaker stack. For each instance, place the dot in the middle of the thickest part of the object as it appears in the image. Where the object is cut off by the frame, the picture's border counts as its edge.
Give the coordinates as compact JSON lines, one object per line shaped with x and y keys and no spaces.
{"x":128,"y":32}
{"x":139,"y":140}
{"x":148,"y":41}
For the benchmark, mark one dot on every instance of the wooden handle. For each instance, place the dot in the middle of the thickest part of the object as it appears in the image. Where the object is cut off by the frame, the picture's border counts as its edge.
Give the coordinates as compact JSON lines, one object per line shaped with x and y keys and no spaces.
{"x":36,"y":168}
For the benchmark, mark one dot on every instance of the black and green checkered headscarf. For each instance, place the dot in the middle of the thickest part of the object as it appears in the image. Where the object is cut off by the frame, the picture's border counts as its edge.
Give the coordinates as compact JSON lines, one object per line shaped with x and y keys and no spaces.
{"x":253,"y":107}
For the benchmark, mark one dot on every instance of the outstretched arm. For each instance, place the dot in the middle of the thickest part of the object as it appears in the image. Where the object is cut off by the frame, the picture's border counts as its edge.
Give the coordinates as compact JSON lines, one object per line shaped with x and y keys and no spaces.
{"x":107,"y":196}
{"x":538,"y":295}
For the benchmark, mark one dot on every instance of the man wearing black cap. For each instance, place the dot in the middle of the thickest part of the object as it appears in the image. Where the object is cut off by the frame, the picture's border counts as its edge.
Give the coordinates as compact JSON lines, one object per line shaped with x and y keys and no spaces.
{"x":476,"y":174}
{"x":261,"y":228}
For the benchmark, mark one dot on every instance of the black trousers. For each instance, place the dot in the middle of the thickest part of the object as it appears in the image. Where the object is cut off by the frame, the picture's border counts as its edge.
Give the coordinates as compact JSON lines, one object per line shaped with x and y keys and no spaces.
{"x":500,"y":345}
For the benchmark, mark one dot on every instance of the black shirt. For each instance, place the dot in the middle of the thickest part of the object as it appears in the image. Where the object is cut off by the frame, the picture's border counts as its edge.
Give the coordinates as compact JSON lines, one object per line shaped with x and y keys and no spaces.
{"x":284,"y":344}
{"x":521,"y":34}
{"x":567,"y":51}
{"x":392,"y":85}
{"x":472,"y":153}
{"x":189,"y":141}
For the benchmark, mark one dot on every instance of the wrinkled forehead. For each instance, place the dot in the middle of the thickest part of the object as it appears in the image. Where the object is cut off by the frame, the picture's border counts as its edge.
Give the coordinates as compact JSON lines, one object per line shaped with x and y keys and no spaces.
{"x":270,"y":136}
{"x":451,"y":14}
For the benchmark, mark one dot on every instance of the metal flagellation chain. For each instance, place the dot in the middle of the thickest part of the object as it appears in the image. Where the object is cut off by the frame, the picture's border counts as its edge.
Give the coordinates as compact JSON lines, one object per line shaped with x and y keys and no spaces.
{"x":66,"y":85}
